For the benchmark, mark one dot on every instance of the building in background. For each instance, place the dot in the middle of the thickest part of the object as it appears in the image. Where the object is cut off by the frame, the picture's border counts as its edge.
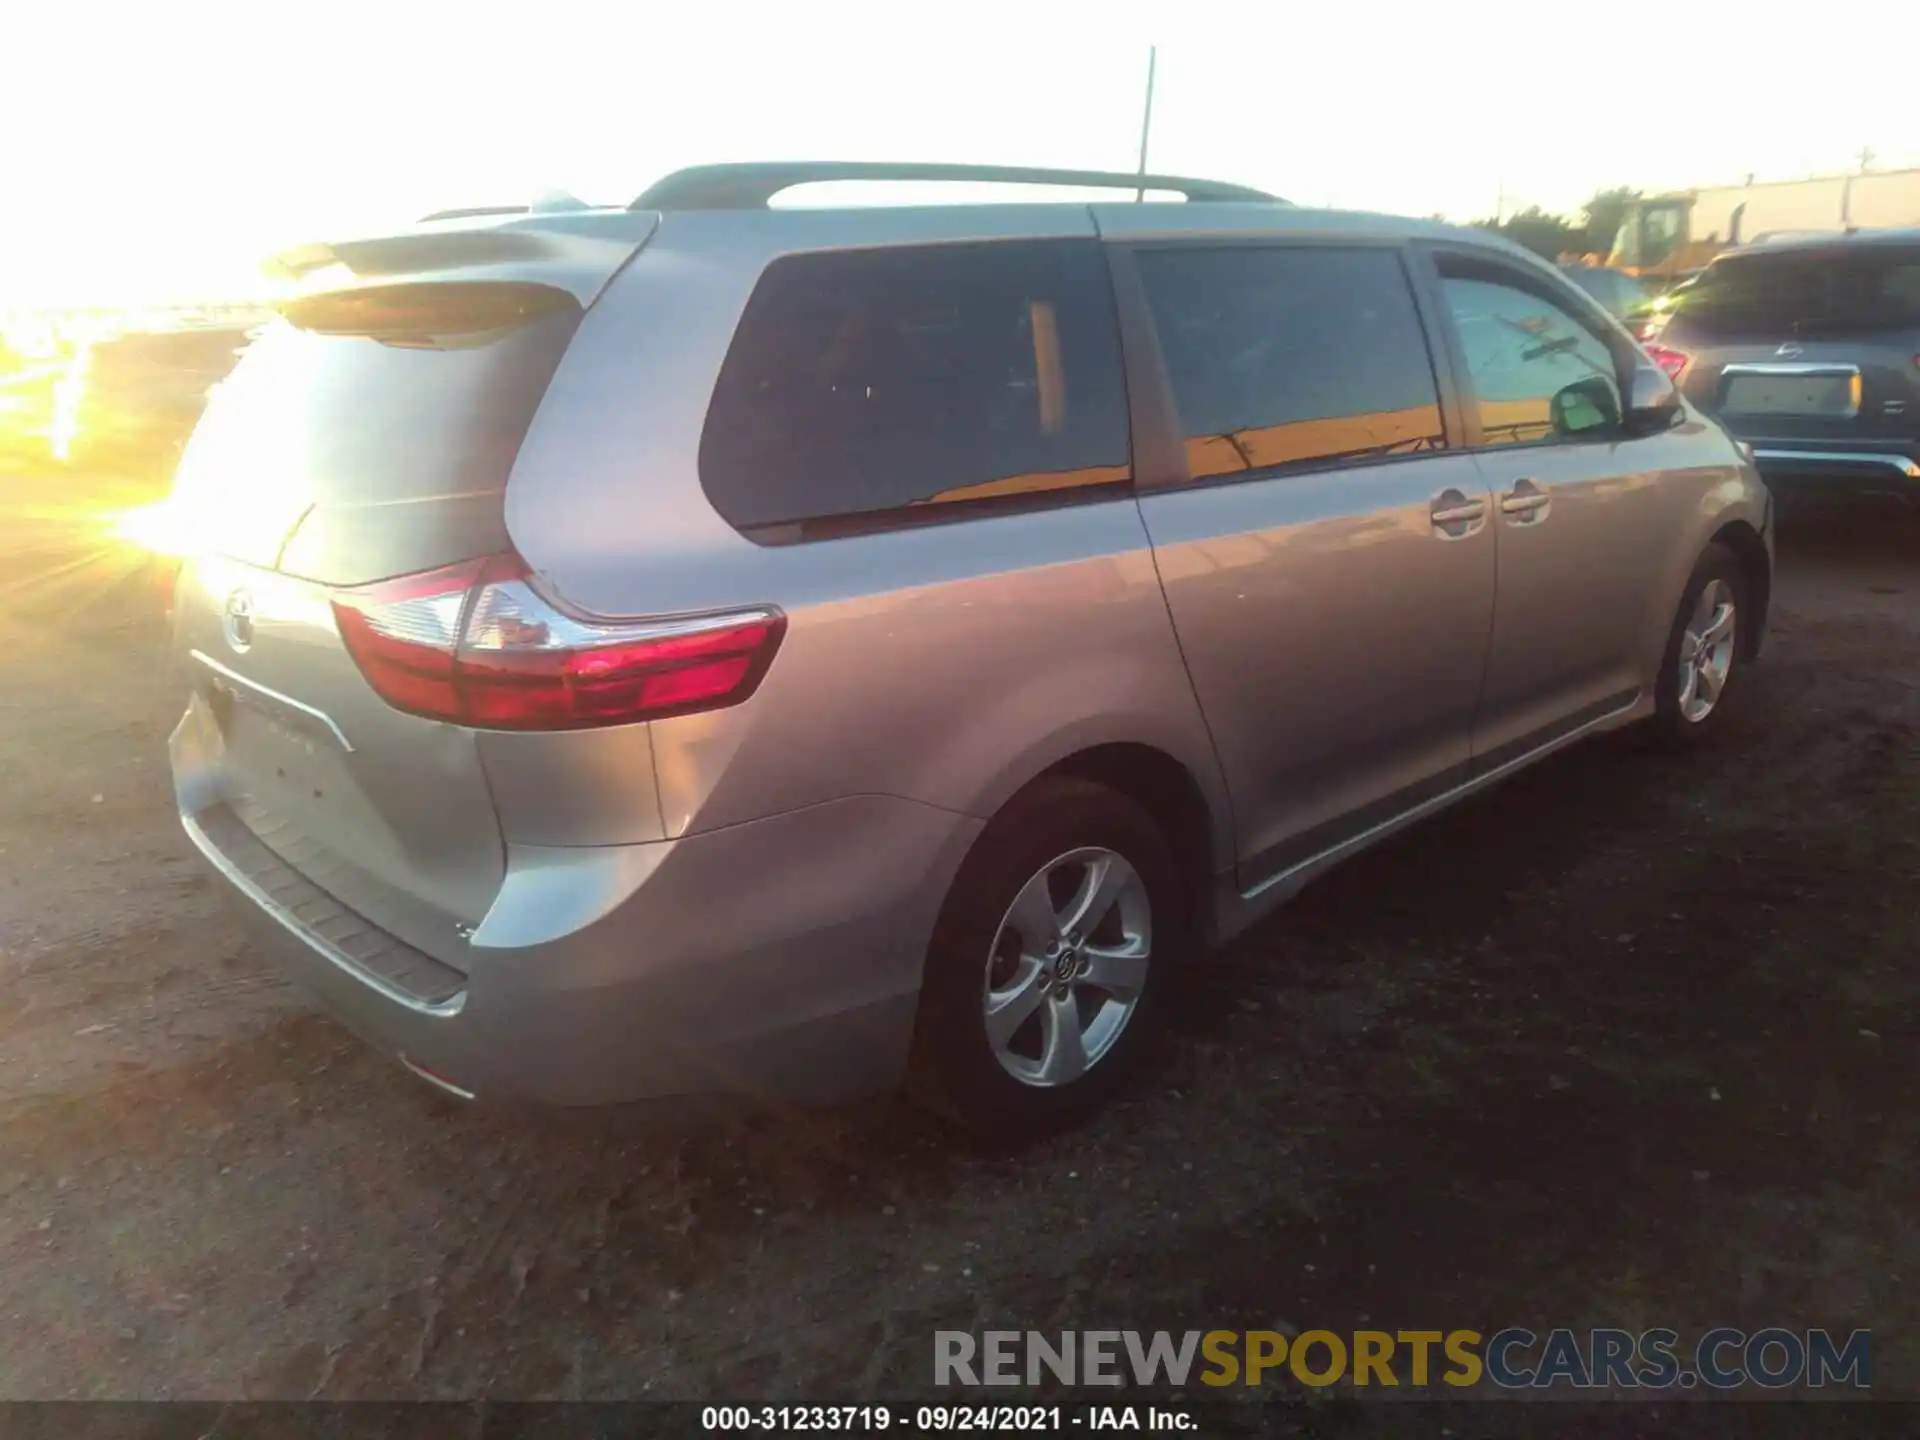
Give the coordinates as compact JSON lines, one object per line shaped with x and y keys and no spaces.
{"x":1668,"y":236}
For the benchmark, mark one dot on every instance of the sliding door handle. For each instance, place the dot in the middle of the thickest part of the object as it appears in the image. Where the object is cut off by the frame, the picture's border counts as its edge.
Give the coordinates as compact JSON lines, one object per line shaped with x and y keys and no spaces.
{"x":1455,"y":515}
{"x":1527,"y":503}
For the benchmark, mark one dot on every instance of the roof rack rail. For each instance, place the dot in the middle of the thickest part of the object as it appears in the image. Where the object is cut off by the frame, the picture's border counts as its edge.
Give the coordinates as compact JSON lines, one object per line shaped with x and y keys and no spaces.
{"x":471,"y":212}
{"x":752,"y":186}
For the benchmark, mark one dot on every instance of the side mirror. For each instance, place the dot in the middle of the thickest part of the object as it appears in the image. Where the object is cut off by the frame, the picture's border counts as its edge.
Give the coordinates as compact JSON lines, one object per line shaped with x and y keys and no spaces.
{"x":1585,"y":407}
{"x":1653,"y":401}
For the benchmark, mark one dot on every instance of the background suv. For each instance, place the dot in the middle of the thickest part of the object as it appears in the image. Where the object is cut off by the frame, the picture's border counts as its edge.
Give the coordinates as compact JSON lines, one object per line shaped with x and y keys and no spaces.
{"x":712,"y":644}
{"x":1810,"y":351}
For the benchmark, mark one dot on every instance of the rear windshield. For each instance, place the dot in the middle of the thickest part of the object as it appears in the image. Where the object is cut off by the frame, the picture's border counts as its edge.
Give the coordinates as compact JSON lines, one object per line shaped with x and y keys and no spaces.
{"x":1806,"y":293}
{"x":869,"y":389}
{"x":318,"y":452}
{"x":350,"y":419}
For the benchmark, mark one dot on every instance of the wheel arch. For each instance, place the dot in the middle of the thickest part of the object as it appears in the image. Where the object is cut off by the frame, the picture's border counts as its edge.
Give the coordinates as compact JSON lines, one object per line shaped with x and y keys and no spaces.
{"x":1756,"y":568}
{"x":1166,"y":790}
{"x":1192,"y":816}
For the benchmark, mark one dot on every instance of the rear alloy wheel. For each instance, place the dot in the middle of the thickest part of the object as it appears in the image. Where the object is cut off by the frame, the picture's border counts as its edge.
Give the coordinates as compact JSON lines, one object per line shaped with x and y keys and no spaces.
{"x":1066,"y":971}
{"x":1706,"y":651}
{"x":1043,"y":970}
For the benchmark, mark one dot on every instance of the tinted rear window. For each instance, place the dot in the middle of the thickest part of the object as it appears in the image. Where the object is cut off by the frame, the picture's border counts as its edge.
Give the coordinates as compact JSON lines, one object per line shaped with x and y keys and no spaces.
{"x":870,"y":388}
{"x":1292,"y":356}
{"x":344,"y":458}
{"x":349,"y":419}
{"x":1805,"y":293}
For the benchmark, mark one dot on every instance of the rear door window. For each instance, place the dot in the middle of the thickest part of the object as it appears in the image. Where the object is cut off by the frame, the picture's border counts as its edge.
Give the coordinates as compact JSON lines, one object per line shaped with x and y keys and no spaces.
{"x":868,"y":389}
{"x":1289,"y":357}
{"x":1535,"y":372}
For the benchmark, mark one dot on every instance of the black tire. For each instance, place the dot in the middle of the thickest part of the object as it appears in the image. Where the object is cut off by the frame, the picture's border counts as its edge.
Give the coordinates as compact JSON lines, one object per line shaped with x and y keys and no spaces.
{"x":1671,"y":726}
{"x":956,"y":1067}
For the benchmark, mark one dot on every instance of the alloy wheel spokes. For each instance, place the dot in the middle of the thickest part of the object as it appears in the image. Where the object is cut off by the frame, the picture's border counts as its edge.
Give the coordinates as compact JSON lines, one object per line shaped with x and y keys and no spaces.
{"x":1067,"y":966}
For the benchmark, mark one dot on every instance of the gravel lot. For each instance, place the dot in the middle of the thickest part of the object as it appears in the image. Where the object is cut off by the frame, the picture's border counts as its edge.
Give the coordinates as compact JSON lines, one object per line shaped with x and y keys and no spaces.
{"x":1629,"y":1041}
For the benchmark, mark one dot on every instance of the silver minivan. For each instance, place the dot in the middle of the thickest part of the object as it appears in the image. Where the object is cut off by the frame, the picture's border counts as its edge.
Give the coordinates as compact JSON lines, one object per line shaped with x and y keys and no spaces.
{"x":718,"y":644}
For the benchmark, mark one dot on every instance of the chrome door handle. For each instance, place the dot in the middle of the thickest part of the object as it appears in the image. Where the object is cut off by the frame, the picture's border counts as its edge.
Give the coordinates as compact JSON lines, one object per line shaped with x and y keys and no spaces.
{"x":1527,"y":502}
{"x":1455,"y":516}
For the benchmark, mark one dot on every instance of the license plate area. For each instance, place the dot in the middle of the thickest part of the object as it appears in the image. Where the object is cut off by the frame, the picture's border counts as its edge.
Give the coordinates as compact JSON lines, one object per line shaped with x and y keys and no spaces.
{"x":228,"y":694}
{"x":1821,"y":393}
{"x":280,"y":759}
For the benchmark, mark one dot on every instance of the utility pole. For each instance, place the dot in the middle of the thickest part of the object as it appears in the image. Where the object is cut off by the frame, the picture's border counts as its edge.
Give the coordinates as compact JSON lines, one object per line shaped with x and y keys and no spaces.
{"x":1146,"y":123}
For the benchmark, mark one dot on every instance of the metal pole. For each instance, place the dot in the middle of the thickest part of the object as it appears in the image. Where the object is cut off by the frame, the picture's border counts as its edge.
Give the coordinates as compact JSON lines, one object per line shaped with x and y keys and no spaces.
{"x":1146,"y":123}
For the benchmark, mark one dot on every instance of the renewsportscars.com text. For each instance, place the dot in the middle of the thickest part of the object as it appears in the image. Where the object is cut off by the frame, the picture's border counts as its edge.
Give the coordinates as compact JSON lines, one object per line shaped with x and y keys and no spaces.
{"x":1511,"y":1359}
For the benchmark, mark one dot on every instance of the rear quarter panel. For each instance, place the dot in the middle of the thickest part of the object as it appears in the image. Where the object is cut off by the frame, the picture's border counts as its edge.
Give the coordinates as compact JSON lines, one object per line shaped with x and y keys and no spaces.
{"x":947,"y":664}
{"x":1705,"y":486}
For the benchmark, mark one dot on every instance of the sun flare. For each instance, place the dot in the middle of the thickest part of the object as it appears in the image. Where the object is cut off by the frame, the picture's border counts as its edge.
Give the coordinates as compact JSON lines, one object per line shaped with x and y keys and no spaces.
{"x":165,"y":528}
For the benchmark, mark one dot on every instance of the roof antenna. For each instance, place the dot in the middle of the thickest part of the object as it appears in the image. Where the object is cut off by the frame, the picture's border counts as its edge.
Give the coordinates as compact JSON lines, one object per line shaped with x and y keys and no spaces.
{"x":549,"y":202}
{"x":1146,"y":123}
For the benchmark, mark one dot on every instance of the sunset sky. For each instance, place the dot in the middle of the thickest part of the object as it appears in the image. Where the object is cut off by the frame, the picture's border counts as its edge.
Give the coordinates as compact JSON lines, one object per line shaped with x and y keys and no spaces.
{"x":157,"y":152}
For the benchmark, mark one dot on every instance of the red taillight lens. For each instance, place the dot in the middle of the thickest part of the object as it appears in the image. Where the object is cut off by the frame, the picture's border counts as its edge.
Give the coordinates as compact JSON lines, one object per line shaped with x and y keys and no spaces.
{"x":1667,"y":358}
{"x":402,"y":634}
{"x":478,"y":645}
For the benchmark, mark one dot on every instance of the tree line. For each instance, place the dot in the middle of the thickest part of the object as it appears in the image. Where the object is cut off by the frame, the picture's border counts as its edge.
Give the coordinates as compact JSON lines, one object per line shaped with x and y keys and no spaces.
{"x":1551,"y":236}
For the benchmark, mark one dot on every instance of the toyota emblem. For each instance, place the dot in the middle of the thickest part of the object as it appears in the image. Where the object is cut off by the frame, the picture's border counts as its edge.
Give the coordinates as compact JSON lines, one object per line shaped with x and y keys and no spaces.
{"x":237,"y":622}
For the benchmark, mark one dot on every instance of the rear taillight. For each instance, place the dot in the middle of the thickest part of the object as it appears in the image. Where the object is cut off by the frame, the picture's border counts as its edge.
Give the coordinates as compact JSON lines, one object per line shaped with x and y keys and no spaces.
{"x":476,"y":644}
{"x":1667,"y":358}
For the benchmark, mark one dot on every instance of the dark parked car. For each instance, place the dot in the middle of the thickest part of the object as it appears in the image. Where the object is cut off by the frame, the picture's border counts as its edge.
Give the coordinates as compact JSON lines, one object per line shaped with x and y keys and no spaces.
{"x":1809,"y":350}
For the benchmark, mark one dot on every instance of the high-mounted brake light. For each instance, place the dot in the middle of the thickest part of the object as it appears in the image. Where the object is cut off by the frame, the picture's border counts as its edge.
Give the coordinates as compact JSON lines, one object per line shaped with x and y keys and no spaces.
{"x":476,"y":644}
{"x":1667,"y":358}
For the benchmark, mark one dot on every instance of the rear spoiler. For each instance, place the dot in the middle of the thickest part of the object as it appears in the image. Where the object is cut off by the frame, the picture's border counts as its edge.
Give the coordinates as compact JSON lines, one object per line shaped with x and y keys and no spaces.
{"x":573,"y":252}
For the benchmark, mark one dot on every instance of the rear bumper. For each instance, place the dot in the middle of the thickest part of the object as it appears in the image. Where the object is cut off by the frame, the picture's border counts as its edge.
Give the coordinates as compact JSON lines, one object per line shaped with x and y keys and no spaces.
{"x":1870,"y":468}
{"x":780,"y":957}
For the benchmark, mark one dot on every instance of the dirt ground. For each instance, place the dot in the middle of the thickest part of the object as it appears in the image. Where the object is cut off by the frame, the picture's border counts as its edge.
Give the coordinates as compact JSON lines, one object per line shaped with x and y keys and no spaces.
{"x":1630,"y":1041}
